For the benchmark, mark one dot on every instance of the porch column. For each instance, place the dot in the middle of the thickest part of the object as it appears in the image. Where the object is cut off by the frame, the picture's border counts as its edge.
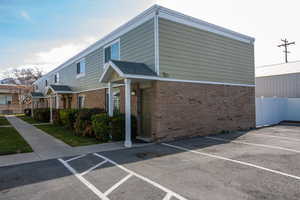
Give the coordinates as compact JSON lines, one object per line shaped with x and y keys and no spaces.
{"x":32,"y":107}
{"x":128,"y":142}
{"x":110,"y":100}
{"x":51,"y":117}
{"x":57,"y":101}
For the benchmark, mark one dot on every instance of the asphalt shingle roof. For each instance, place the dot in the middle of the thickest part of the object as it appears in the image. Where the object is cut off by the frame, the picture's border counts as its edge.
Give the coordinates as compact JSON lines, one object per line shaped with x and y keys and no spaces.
{"x":37,"y":94}
{"x":134,"y":68}
{"x":61,"y":88}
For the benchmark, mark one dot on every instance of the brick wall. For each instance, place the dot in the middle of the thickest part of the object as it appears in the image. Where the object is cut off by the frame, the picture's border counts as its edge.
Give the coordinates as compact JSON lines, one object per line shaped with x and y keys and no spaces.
{"x":190,"y":109}
{"x":93,"y":99}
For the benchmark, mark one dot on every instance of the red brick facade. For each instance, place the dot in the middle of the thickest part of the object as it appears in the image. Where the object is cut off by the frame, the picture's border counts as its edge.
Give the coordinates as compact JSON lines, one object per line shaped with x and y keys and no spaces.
{"x":191,"y":109}
{"x":186,"y":109}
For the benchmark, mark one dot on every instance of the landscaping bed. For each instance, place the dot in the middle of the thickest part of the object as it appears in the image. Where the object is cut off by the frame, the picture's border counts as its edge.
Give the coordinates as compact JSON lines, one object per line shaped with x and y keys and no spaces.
{"x":79,"y":127}
{"x":67,"y":135}
{"x":28,"y":119}
{"x":3,"y":121}
{"x":11,"y":142}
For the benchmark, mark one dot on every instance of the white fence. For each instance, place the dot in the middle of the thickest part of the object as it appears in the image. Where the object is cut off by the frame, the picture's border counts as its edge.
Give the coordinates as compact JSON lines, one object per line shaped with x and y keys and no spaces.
{"x":274,"y":110}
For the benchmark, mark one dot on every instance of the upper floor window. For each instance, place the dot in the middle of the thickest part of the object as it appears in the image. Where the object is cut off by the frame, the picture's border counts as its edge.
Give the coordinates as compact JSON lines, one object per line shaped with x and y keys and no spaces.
{"x":46,"y":83}
{"x":56,"y":78}
{"x":112,"y":51}
{"x":80,"y":68}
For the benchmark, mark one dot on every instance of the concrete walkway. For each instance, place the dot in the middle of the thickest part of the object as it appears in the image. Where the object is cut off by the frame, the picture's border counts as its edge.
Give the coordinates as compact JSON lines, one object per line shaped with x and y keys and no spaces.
{"x":44,"y":145}
{"x":47,"y":147}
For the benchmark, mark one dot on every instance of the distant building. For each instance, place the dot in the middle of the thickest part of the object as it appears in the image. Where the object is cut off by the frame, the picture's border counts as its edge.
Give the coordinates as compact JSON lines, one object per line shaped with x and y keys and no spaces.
{"x":9,"y":81}
{"x":13,"y":98}
{"x":278,"y":80}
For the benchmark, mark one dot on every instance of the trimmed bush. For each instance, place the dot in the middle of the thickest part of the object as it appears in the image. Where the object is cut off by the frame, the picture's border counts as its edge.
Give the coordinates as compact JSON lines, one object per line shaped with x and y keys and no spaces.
{"x":56,"y":117}
{"x":27,"y":112}
{"x":118,"y":127}
{"x":83,"y":123}
{"x":41,"y":114}
{"x":101,"y":126}
{"x":68,"y":117}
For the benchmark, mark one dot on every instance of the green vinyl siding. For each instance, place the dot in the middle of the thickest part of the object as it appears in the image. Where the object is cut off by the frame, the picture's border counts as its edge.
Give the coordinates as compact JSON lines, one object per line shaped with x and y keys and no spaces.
{"x":138,"y":45}
{"x":189,"y":53}
{"x":93,"y":70}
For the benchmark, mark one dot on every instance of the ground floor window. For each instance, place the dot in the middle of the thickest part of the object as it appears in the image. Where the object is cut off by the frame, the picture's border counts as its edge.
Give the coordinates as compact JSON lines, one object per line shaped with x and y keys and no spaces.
{"x":80,"y":102}
{"x":5,"y":99}
{"x":116,"y":99}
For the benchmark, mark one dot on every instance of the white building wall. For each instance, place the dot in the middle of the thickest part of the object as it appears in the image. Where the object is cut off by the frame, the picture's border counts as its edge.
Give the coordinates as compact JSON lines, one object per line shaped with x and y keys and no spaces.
{"x":271,"y":111}
{"x":287,"y":85}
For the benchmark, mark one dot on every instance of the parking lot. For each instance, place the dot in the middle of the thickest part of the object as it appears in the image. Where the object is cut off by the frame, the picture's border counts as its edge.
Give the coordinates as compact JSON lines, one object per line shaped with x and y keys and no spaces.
{"x":259,"y":164}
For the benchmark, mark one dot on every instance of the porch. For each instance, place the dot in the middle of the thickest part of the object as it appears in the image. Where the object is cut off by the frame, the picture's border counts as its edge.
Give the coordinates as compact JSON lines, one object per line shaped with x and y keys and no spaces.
{"x":133,"y":75}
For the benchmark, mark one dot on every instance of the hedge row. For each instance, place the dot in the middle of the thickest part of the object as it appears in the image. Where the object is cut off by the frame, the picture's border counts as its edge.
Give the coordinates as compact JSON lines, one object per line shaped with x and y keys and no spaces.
{"x":93,"y":122}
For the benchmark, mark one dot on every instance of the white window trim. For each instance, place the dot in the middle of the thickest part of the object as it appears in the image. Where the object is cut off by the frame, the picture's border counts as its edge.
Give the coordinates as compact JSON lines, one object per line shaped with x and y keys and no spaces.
{"x":83,"y":101}
{"x":57,"y":77}
{"x":110,"y":44}
{"x":81,"y":74}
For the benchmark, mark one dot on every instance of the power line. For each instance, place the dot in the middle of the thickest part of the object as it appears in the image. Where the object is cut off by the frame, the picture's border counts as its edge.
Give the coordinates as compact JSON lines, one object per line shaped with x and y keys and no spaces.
{"x":285,"y":44}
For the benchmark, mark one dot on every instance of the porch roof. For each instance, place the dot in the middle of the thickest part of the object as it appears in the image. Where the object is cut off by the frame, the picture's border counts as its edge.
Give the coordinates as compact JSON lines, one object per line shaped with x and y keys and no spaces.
{"x":37,"y":95}
{"x":61,"y":89}
{"x":127,"y":69}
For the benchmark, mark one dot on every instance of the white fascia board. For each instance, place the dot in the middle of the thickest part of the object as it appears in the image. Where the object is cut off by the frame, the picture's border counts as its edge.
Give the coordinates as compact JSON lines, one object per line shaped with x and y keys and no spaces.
{"x":197,"y":23}
{"x":107,"y":66}
{"x":185,"y":81}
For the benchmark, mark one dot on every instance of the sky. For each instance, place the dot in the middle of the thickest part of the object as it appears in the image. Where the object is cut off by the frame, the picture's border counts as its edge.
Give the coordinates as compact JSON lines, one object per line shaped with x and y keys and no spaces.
{"x":45,"y":33}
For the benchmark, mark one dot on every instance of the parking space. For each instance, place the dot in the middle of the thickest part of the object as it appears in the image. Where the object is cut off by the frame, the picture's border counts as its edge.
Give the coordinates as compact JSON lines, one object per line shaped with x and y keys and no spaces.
{"x":252,"y":165}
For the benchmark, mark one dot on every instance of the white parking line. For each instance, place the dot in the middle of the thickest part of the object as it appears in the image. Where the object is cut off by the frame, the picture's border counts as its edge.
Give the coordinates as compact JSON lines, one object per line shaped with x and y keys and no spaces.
{"x":253,"y":144}
{"x":232,"y":160}
{"x":115,"y":186}
{"x":92,"y":168}
{"x":143,"y":178}
{"x":74,"y":158}
{"x":167,"y":197}
{"x":84,"y":181}
{"x":275,"y":136}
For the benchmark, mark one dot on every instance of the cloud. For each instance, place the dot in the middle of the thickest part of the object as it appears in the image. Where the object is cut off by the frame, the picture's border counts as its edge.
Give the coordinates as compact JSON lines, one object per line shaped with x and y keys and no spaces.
{"x":51,"y":58}
{"x":25,"y":16}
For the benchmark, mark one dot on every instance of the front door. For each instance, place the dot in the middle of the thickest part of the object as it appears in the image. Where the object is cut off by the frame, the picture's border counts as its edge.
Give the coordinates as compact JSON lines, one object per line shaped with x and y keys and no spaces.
{"x":146,"y":113}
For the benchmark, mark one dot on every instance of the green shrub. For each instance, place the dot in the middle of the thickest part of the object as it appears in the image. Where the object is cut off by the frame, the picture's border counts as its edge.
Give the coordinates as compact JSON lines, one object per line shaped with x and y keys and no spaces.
{"x":83,"y":123}
{"x":68,"y":117}
{"x":41,"y":114}
{"x":118,"y":127}
{"x":101,"y":126}
{"x":56,"y":117}
{"x":27,"y":112}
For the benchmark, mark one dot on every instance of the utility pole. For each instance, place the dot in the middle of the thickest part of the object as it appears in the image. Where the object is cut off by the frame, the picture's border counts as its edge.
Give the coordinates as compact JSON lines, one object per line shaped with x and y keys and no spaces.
{"x":285,"y":45}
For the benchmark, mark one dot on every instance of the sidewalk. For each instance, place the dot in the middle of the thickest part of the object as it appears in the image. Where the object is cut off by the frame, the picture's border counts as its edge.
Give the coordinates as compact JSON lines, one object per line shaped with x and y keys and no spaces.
{"x":47,"y":147}
{"x":44,"y":145}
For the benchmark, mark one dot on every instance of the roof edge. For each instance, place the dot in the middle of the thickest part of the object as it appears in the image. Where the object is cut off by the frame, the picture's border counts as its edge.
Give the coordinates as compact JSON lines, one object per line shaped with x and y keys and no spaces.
{"x":143,"y":17}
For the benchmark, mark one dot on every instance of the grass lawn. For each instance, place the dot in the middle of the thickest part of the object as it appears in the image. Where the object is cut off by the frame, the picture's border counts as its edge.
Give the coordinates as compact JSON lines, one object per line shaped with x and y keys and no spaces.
{"x":12,"y":142}
{"x":3,"y":121}
{"x":27,"y":119}
{"x":67,"y":135}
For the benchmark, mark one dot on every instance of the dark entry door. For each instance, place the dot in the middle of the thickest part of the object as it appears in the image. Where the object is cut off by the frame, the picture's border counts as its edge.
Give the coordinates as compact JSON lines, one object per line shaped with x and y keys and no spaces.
{"x":146,"y":113}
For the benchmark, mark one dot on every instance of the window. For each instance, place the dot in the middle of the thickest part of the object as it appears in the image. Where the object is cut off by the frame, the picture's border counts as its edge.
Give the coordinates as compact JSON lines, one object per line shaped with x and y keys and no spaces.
{"x":5,"y":100}
{"x":116,"y":99}
{"x":56,"y":78}
{"x":46,"y":83}
{"x":80,"y":68}
{"x":80,"y":102}
{"x":112,"y":52}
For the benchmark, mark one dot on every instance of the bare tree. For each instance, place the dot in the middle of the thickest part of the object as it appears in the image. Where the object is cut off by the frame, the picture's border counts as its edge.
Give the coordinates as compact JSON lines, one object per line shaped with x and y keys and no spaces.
{"x":25,"y":76}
